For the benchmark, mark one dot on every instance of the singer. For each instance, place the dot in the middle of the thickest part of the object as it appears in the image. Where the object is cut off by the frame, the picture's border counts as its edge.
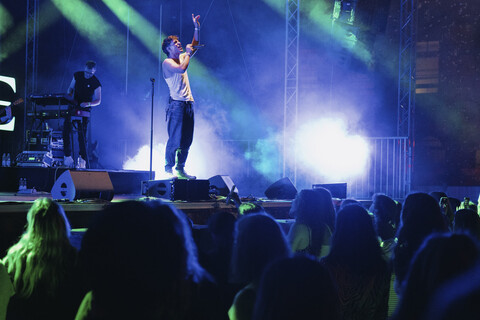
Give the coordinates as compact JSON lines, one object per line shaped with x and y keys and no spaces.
{"x":179,"y":113}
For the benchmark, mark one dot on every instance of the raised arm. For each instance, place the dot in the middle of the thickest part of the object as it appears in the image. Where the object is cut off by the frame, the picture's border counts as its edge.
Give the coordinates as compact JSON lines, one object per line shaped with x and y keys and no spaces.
{"x":172,"y":65}
{"x":196,"y":32}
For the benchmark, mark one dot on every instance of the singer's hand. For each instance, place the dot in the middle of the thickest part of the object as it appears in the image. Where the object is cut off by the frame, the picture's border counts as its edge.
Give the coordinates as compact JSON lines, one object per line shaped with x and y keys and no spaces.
{"x":189,"y":48}
{"x":196,"y":23}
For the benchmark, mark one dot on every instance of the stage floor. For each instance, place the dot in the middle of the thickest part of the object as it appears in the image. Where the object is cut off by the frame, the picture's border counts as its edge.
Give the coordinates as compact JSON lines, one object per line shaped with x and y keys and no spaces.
{"x":199,"y":211}
{"x":14,"y":208}
{"x":43,"y":179}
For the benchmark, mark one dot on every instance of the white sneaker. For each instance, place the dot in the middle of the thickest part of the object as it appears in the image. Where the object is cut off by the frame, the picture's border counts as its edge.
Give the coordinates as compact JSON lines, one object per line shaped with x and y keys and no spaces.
{"x":81,"y":164}
{"x":182,"y":175}
{"x":168,"y":175}
{"x":68,"y":161}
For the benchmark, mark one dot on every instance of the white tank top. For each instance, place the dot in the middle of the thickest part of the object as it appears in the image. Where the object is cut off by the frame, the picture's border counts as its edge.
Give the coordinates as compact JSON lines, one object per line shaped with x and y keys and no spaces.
{"x":179,"y":85}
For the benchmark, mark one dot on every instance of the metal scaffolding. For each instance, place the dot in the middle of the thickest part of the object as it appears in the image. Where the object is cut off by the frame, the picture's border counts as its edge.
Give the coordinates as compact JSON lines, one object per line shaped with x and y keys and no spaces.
{"x":290,"y":110}
{"x":31,"y":53}
{"x":406,"y":68}
{"x":406,"y":80}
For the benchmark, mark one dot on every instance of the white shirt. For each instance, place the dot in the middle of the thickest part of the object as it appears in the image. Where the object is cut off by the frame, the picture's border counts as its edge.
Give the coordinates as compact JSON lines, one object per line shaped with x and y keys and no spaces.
{"x":179,"y":85}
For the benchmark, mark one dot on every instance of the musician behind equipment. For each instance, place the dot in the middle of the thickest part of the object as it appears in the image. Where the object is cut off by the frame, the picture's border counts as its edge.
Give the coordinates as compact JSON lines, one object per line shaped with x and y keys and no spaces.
{"x":86,"y":91}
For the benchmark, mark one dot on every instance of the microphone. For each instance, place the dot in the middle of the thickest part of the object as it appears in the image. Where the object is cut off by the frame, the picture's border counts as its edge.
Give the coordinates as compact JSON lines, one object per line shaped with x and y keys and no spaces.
{"x":198,"y":46}
{"x":152,"y":79}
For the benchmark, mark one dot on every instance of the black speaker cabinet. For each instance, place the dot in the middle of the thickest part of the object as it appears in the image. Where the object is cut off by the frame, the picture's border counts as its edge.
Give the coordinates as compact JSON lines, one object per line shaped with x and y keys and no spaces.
{"x":177,"y":189}
{"x":223,"y":184}
{"x":281,"y":189}
{"x":73,"y":185}
{"x":338,"y":190}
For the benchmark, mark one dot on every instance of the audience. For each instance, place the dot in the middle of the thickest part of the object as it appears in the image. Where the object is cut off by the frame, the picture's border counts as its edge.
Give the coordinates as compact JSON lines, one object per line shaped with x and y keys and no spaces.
{"x":259,"y":240}
{"x":43,"y":267}
{"x":141,"y":263}
{"x":357,"y":266}
{"x":438,"y":195}
{"x":440,"y":258}
{"x":455,"y":203}
{"x":6,"y":291}
{"x":467,"y":204}
{"x":458,"y":298}
{"x":314,"y":215}
{"x":297,"y":288}
{"x":421,"y":216}
{"x":445,"y":205}
{"x":138,"y":260}
{"x":467,"y":221}
{"x":347,"y":202}
{"x":387,"y":218}
{"x":216,"y":260}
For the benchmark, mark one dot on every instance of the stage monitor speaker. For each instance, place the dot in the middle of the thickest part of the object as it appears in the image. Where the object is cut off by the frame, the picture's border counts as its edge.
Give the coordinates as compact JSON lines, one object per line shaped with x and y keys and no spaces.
{"x":281,"y":189}
{"x":338,"y":190}
{"x":223,"y":184}
{"x":73,"y":185}
{"x":177,"y":189}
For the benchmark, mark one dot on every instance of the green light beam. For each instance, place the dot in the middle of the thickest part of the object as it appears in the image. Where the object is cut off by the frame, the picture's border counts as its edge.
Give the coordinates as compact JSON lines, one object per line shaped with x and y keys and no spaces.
{"x":139,"y":26}
{"x":15,"y":41}
{"x":320,"y":14}
{"x":92,"y":26}
{"x":6,"y":20}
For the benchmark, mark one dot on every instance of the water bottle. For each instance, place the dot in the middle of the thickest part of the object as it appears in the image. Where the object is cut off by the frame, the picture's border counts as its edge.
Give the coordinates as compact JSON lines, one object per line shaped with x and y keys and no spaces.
{"x":7,"y":160}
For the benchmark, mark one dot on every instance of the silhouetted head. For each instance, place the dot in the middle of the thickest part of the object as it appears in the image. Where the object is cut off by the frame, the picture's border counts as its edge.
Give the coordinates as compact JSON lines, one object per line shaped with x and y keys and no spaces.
{"x":421,"y":216}
{"x":221,"y":226}
{"x":144,"y":249}
{"x":311,"y":206}
{"x":258,"y":241}
{"x":467,"y":204}
{"x":437,"y":195}
{"x":347,"y":202}
{"x":387,"y":216}
{"x":467,"y":221}
{"x":43,"y":253}
{"x":297,"y":288}
{"x":455,"y":203}
{"x":47,"y":223}
{"x":354,"y":243}
{"x":440,"y":258}
{"x":458,"y":298}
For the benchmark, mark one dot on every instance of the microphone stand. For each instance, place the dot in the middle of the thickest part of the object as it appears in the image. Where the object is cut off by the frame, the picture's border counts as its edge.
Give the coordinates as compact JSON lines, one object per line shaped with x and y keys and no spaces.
{"x":151,"y":128}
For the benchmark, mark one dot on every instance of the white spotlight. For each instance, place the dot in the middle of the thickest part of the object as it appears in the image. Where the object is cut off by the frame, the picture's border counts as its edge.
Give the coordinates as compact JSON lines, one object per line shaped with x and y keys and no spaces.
{"x":326,"y":148}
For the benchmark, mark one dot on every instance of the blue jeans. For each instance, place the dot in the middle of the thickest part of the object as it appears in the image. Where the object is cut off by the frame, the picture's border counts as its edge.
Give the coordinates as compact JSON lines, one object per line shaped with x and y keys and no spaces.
{"x":180,"y":121}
